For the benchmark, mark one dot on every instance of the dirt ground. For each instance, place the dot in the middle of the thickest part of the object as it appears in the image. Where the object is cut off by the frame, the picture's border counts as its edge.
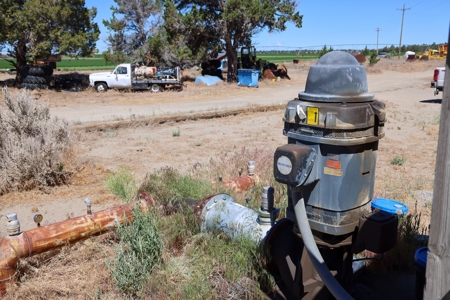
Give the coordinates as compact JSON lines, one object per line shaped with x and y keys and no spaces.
{"x":135,"y":130}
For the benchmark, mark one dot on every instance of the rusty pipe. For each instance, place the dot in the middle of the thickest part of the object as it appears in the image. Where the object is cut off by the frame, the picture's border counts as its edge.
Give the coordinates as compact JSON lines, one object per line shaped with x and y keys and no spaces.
{"x":45,"y":238}
{"x":241,"y":183}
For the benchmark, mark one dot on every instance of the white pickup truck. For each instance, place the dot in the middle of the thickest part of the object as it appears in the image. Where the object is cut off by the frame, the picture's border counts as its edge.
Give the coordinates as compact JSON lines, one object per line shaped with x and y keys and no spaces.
{"x":438,"y":80}
{"x":126,"y":76}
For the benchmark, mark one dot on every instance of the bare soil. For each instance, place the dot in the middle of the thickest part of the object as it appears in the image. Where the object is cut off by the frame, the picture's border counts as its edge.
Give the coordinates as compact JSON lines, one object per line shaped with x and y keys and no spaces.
{"x":135,"y":130}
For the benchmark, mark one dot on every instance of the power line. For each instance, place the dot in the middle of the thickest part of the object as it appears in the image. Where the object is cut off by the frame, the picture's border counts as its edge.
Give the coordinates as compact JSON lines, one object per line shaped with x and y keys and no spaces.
{"x":401,"y":30}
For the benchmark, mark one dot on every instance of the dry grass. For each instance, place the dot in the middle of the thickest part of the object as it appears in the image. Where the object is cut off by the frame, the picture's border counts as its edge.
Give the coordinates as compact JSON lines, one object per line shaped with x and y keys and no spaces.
{"x":74,"y":272}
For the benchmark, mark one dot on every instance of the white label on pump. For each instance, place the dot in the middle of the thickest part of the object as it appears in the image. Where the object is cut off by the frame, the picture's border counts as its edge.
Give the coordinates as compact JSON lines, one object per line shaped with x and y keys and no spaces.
{"x":284,"y":165}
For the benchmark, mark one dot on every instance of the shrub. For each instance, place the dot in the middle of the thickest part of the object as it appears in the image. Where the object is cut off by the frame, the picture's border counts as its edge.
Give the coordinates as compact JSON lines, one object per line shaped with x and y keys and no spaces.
{"x":176,"y":133}
{"x":138,"y":253}
{"x":168,"y":185}
{"x":213,"y":267}
{"x":398,"y":160}
{"x":122,"y":184}
{"x":32,"y":144}
{"x":373,"y":58}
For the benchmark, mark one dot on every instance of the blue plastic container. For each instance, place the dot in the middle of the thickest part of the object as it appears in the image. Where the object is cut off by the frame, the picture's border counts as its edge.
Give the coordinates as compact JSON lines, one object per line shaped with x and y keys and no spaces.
{"x":420,"y":265}
{"x":390,"y":206}
{"x":248,"y":77}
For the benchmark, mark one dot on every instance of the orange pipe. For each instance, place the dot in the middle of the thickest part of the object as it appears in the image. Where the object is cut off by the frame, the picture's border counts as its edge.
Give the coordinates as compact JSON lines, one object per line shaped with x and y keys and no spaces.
{"x":45,"y":238}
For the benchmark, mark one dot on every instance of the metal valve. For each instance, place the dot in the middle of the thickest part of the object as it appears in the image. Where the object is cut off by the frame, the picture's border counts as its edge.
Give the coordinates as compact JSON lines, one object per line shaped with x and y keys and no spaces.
{"x":88,"y":204}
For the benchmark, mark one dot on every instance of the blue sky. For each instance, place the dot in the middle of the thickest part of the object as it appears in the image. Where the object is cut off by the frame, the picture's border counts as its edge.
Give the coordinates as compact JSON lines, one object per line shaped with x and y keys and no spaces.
{"x":344,"y":22}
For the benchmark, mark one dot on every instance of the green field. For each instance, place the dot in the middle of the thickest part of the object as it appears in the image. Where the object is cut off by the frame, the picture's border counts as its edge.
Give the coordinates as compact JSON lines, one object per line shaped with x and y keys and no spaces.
{"x":72,"y":64}
{"x":97,"y":63}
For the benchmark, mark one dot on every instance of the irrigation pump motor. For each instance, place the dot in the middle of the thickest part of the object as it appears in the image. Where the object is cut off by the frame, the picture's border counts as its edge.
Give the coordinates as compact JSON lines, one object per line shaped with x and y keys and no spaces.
{"x":333,"y":129}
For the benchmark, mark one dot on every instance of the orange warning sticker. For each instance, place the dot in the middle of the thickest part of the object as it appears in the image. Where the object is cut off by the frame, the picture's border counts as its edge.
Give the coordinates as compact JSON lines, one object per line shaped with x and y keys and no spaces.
{"x":333,"y":164}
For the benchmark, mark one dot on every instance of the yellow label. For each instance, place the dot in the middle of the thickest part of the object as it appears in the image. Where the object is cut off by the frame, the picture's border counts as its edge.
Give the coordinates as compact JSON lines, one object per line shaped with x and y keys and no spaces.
{"x":312,"y":116}
{"x":333,"y":172}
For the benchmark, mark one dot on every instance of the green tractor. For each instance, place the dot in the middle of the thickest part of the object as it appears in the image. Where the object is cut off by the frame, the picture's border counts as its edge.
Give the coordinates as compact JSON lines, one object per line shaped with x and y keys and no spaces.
{"x":248,"y":60}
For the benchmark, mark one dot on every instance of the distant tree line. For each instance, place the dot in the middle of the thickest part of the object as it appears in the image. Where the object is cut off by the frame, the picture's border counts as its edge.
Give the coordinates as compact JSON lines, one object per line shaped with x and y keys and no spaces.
{"x":391,"y":49}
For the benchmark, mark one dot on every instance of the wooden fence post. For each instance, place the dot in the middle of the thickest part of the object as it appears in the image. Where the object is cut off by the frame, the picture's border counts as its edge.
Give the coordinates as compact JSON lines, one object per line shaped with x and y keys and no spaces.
{"x":438,"y":259}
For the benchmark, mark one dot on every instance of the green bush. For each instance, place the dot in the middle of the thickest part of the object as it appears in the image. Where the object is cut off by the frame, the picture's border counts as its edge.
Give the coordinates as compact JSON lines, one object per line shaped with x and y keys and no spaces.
{"x":398,"y":160}
{"x":138,"y":253}
{"x":213,"y":267}
{"x":32,"y":144}
{"x":168,"y":185}
{"x":122,"y":184}
{"x":176,"y":133}
{"x":373,"y":58}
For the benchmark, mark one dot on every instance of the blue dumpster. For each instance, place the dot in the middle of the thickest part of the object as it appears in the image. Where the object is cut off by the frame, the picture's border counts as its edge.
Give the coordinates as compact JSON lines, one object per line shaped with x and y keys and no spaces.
{"x":248,"y":77}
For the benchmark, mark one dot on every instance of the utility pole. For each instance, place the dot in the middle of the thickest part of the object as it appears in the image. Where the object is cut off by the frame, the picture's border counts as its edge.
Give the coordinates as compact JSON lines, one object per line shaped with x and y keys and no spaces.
{"x":401,"y":30}
{"x":438,"y":259}
{"x":378,"y":32}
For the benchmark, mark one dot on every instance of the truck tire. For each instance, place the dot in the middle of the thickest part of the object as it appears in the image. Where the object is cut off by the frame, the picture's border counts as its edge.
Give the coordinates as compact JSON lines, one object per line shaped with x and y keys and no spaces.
{"x":101,"y":87}
{"x":36,"y":71}
{"x":35,"y":79}
{"x":155,"y":88}
{"x":32,"y":86}
{"x":41,"y":71}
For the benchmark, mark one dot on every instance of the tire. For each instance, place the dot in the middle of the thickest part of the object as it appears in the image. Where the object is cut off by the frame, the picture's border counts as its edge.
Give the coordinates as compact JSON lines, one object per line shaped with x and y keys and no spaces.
{"x":101,"y":87}
{"x":155,"y":88}
{"x":35,"y":80}
{"x":32,"y":86}
{"x":36,"y":71}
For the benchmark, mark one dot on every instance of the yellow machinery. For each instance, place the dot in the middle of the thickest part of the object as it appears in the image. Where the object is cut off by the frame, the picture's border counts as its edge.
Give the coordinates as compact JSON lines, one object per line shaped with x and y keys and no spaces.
{"x":440,"y":53}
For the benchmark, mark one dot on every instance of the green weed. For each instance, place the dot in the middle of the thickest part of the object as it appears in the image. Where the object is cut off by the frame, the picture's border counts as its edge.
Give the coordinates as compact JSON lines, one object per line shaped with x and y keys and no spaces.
{"x":168,"y":185}
{"x":176,"y":133}
{"x":398,"y":160}
{"x":213,"y":267}
{"x":138,"y":253}
{"x":122,"y":184}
